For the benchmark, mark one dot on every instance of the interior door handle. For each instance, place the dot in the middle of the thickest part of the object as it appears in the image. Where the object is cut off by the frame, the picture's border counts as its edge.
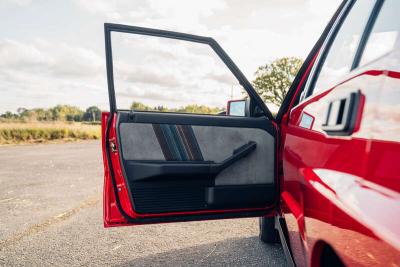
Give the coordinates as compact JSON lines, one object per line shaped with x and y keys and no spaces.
{"x":148,"y":170}
{"x":341,"y":115}
{"x":237,"y":154}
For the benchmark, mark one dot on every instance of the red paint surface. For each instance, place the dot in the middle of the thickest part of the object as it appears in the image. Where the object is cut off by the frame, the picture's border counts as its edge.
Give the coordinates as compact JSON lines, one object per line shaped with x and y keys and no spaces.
{"x":347,"y":188}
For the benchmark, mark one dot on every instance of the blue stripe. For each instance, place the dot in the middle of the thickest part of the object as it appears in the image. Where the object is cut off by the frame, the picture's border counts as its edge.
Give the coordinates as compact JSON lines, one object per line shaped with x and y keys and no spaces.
{"x":178,"y":143}
{"x":194,"y":144}
{"x":171,"y":142}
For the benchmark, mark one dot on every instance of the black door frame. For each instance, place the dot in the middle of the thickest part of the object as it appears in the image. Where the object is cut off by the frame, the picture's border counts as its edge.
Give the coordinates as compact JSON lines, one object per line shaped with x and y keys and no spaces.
{"x":110,"y":27}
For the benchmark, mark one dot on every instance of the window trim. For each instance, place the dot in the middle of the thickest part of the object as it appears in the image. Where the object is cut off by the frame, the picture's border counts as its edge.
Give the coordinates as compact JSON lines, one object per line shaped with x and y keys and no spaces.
{"x":220,"y":52}
{"x":310,"y":85}
{"x":366,"y":34}
{"x":299,"y":83}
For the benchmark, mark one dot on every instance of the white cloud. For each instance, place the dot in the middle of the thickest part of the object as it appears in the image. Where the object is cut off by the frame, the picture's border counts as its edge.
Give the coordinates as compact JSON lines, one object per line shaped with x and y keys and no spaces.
{"x":43,"y":73}
{"x":159,"y":71}
{"x":15,"y":54}
{"x":41,"y":57}
{"x":105,"y":8}
{"x":16,"y":2}
{"x":68,"y":64}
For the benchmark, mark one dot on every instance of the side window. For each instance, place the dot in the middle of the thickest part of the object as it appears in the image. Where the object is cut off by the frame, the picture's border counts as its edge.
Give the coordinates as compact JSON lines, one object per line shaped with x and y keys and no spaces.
{"x":169,"y":75}
{"x":384,"y":34}
{"x":340,"y":56}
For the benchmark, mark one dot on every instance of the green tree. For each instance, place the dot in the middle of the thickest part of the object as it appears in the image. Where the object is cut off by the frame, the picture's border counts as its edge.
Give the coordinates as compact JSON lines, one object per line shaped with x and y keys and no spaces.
{"x":162,"y":109}
{"x":38,"y":114}
{"x":192,"y":108}
{"x":9,"y":115}
{"x":92,"y":113}
{"x":273,"y":80}
{"x":26,"y":114}
{"x":140,"y":106}
{"x":200,"y":109}
{"x":66,"y":112}
{"x":57,"y":113}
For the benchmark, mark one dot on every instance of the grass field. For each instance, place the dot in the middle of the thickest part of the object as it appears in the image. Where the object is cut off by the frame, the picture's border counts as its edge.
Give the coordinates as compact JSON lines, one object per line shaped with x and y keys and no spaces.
{"x":39,"y":132}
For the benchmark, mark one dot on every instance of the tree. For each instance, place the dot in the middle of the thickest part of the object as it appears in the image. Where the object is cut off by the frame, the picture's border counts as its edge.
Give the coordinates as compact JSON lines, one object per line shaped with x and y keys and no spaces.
{"x":60,"y":112}
{"x":21,"y":111}
{"x":92,"y":113}
{"x":140,"y":106}
{"x":9,"y":115}
{"x":57,"y":113}
{"x":42,"y":114}
{"x":25,"y":114}
{"x":273,"y":80}
{"x":201,"y":109}
{"x":191,"y":108}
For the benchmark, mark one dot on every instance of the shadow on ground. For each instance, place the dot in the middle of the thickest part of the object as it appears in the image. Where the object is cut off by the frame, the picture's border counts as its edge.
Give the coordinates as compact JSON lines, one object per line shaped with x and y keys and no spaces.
{"x":231,"y":252}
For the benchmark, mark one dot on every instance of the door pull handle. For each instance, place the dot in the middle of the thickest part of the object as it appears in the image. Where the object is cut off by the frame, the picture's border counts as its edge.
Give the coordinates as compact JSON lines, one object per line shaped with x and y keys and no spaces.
{"x":341,"y":115}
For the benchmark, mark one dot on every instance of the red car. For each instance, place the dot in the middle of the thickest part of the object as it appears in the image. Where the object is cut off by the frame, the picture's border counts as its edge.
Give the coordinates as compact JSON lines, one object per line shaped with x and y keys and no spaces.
{"x":323,"y":174}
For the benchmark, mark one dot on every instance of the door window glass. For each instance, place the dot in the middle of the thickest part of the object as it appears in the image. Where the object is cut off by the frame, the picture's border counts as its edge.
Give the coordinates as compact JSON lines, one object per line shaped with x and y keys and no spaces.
{"x":341,"y":53}
{"x":169,"y":75}
{"x":385,"y":32}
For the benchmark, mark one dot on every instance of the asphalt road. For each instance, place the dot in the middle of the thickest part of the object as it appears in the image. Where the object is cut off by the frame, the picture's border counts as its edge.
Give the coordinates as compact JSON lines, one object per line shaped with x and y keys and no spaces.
{"x":51,"y":215}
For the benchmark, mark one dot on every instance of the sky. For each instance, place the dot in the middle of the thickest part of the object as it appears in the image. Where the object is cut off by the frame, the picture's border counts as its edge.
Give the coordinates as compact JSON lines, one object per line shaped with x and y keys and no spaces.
{"x":52,"y":52}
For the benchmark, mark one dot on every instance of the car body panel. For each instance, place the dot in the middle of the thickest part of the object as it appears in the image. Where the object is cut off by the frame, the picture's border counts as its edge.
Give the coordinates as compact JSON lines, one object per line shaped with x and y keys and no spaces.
{"x":346,"y":188}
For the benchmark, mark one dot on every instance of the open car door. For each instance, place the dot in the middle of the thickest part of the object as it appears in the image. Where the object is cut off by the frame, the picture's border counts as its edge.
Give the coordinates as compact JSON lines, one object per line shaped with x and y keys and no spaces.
{"x":164,"y":167}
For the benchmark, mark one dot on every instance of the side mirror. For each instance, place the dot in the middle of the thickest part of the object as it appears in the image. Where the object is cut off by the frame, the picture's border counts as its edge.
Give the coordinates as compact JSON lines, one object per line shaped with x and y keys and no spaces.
{"x":236,"y":108}
{"x":243,"y":108}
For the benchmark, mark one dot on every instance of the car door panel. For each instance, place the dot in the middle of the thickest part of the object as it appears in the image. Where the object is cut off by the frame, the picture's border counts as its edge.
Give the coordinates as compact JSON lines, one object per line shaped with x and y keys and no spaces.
{"x":162,"y":167}
{"x":181,"y":195}
{"x":169,"y":167}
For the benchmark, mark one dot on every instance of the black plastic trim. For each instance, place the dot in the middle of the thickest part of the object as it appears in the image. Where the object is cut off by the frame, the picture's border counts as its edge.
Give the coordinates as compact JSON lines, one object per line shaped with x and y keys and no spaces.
{"x":237,"y":155}
{"x":349,"y":112}
{"x":239,"y":195}
{"x":151,"y":170}
{"x":280,"y":225}
{"x":156,"y":170}
{"x":366,"y":33}
{"x":196,"y":119}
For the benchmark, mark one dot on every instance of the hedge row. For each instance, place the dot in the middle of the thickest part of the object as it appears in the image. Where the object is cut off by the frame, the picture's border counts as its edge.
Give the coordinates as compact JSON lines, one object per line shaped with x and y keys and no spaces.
{"x":17,"y":135}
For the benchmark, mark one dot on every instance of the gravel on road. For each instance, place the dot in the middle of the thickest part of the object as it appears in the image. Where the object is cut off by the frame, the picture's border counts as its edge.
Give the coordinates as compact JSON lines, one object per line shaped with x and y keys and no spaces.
{"x":51,"y":215}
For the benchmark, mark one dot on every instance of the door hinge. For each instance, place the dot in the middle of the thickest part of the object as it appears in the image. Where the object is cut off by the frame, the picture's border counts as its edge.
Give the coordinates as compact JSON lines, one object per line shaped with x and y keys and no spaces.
{"x":113,"y":145}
